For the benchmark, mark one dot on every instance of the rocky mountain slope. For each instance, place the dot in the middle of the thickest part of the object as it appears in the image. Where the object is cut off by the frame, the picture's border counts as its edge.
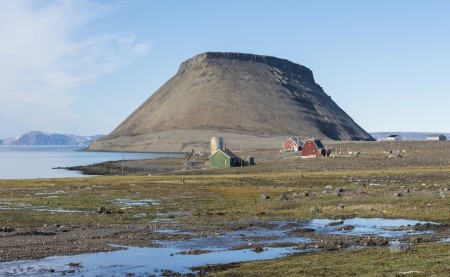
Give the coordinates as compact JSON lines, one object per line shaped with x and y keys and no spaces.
{"x":44,"y":138}
{"x":235,"y":94}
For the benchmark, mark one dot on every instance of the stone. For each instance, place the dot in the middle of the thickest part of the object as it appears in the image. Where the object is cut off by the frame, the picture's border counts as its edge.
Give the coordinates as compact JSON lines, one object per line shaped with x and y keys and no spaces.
{"x":335,"y":223}
{"x":258,"y":248}
{"x":329,"y":187}
{"x":398,"y":194}
{"x":314,"y":209}
{"x":442,"y":194}
{"x":400,"y":247}
{"x":101,"y":210}
{"x":7,"y":229}
{"x":283,"y":197}
{"x":359,"y":190}
{"x":347,"y":227}
{"x":265,"y":196}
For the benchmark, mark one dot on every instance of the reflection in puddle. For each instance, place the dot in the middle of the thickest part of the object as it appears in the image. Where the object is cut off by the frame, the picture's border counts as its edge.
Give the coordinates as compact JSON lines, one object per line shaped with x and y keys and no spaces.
{"x":134,"y":202}
{"x":133,"y":260}
{"x":28,"y":207}
{"x":390,"y":228}
{"x":253,"y":242}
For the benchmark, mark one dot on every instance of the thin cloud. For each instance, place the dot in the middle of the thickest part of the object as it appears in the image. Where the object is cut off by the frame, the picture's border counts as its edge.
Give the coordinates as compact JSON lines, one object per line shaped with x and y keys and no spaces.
{"x":50,"y":49}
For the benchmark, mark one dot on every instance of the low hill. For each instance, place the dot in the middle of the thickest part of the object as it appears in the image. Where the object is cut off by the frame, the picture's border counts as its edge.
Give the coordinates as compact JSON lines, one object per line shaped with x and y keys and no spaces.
{"x":44,"y":138}
{"x":406,"y":135}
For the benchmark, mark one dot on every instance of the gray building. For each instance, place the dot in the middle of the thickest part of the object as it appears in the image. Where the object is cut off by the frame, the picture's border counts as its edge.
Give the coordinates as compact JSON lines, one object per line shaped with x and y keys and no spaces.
{"x":436,"y":137}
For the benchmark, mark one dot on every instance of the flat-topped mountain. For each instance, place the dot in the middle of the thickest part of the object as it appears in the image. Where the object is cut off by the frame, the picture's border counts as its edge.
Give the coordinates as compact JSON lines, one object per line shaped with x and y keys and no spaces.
{"x":234,"y":93}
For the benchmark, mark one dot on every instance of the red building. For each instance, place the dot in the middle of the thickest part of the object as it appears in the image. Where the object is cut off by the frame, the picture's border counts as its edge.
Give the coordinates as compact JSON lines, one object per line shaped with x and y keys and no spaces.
{"x":292,"y":145}
{"x":313,"y":147}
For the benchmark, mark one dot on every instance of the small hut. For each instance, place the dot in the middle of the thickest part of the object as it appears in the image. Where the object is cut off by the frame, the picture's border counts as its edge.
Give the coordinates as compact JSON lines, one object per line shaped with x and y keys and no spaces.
{"x":313,"y":148}
{"x":436,"y":137}
{"x":394,"y":138}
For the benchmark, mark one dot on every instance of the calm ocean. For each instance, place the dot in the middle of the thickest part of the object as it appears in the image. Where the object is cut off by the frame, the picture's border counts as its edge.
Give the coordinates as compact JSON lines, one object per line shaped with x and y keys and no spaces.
{"x":25,"y":162}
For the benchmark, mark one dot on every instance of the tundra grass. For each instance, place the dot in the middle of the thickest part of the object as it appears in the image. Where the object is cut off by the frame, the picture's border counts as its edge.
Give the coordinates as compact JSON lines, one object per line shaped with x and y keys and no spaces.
{"x":423,"y":260}
{"x":217,"y":199}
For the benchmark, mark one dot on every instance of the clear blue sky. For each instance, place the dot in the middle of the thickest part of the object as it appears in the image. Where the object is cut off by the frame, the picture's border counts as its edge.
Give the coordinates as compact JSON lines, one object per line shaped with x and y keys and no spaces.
{"x":81,"y":67}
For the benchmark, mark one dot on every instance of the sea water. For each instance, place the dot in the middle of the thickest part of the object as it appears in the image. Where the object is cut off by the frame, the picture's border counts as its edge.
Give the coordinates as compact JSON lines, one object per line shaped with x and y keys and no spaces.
{"x":25,"y":162}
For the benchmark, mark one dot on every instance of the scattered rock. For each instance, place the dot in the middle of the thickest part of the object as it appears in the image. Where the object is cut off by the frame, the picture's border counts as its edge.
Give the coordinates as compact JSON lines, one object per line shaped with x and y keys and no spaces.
{"x":314,"y":209}
{"x":329,"y":187}
{"x":347,"y":227}
{"x":101,"y":210}
{"x":335,"y":223}
{"x":265,"y":196}
{"x":442,"y":194}
{"x":306,"y":193}
{"x":341,"y":206}
{"x":194,"y":252}
{"x":332,"y":246}
{"x":398,"y":194}
{"x":375,"y":241}
{"x":303,"y":230}
{"x":7,"y":229}
{"x":283,"y":197}
{"x":359,"y":190}
{"x":400,"y":247}
{"x":258,"y":249}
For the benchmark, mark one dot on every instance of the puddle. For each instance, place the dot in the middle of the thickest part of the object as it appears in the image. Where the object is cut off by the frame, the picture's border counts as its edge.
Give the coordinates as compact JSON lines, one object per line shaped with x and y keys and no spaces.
{"x":169,"y":217}
{"x":134,"y":202}
{"x":389,"y":228}
{"x":28,"y":207}
{"x":256,"y":240}
{"x":50,"y":193}
{"x":133,"y":260}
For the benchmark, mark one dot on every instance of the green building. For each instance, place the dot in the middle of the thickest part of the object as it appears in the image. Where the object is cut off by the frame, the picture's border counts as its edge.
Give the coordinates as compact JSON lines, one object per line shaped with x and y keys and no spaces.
{"x":223,"y":158}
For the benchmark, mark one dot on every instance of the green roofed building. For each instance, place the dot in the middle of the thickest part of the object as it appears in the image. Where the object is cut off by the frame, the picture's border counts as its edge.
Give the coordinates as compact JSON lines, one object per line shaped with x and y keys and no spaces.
{"x":223,"y":158}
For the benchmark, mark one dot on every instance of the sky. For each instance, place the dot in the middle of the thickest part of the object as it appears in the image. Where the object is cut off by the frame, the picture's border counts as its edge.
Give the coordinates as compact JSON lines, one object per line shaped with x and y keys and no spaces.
{"x":82,"y":66}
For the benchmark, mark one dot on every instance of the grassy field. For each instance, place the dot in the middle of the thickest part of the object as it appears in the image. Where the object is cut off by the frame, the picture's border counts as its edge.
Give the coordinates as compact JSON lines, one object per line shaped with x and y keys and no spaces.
{"x":228,"y":197}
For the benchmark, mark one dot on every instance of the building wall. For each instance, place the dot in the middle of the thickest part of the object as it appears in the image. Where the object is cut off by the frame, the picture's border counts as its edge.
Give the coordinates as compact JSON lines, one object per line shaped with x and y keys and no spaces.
{"x":441,"y":137}
{"x":290,"y":144}
{"x":219,"y":159}
{"x":310,"y":148}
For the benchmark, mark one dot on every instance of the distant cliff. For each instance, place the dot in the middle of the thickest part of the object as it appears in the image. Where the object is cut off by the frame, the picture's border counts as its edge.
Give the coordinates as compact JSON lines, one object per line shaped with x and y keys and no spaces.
{"x":44,"y":138}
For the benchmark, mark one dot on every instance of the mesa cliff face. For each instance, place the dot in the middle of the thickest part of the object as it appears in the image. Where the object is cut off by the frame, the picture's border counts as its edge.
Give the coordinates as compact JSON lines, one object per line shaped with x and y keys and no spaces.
{"x":242,"y":94}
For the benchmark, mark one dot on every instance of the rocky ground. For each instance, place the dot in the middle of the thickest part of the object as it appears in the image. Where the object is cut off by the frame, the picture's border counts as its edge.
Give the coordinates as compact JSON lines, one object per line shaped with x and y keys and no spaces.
{"x":59,"y":240}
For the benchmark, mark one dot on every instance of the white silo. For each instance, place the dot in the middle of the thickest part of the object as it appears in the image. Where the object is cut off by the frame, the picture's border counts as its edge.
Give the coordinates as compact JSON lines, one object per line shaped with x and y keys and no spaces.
{"x":216,"y":144}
